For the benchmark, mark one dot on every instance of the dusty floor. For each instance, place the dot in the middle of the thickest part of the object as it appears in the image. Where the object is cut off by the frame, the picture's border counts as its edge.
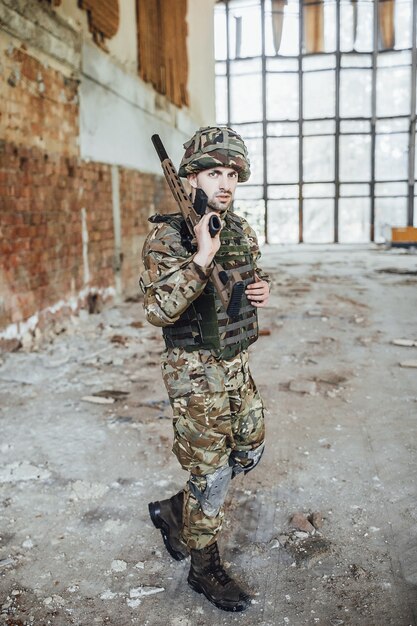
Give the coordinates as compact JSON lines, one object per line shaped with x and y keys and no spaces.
{"x":77,"y":546}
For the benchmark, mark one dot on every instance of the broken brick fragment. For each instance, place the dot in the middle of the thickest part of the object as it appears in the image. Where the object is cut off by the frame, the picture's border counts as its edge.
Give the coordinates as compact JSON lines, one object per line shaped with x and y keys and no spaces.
{"x":300,"y":521}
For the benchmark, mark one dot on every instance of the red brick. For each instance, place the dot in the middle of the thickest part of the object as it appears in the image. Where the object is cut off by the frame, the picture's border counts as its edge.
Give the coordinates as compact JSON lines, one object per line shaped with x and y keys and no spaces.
{"x":43,"y":224}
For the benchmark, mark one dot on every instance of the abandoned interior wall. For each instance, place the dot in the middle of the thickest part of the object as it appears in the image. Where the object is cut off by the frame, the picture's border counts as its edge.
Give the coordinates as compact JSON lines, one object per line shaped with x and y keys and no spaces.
{"x":78,"y":173}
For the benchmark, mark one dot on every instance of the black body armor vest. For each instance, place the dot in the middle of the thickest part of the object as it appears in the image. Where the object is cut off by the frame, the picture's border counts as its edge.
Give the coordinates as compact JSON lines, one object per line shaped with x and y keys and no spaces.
{"x":205,"y":325}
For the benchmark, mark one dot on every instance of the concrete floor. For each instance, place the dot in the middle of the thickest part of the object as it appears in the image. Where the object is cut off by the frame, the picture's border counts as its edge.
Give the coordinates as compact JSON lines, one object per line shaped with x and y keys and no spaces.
{"x":77,"y":546}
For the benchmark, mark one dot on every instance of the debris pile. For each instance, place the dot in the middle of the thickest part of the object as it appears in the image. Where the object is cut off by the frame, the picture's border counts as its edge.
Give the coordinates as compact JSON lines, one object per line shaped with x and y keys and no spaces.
{"x":304,"y":541}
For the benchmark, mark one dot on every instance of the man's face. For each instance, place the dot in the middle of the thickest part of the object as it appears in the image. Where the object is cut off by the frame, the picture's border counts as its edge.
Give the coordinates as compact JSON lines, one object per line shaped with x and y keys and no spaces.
{"x":219,"y":183}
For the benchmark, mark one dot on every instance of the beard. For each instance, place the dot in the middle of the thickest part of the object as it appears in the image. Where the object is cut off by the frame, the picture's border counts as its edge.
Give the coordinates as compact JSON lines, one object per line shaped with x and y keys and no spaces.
{"x":220,"y":206}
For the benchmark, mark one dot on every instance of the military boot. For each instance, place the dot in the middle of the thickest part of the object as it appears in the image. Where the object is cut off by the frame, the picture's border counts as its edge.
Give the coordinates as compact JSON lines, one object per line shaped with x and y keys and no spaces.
{"x":167,"y":516}
{"x":208,"y":576}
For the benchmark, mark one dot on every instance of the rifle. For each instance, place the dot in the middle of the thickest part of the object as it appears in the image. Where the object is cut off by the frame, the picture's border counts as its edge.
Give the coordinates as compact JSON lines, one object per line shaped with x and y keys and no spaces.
{"x":230,"y":288}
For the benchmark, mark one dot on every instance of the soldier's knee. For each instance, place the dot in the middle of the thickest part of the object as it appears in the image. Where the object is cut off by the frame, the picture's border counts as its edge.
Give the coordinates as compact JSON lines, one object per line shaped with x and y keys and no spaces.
{"x":210,"y":490}
{"x":245,"y":460}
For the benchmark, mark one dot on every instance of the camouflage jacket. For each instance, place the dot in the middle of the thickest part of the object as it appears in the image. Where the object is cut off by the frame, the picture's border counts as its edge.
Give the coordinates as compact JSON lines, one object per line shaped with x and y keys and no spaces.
{"x":171,"y":280}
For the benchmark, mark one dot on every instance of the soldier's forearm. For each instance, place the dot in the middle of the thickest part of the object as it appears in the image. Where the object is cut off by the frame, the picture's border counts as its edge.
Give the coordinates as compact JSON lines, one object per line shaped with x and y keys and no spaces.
{"x":175,"y":294}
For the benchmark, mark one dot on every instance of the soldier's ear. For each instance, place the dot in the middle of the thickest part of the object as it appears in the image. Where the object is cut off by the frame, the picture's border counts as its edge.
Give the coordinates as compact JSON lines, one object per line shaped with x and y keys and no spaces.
{"x":192,"y":179}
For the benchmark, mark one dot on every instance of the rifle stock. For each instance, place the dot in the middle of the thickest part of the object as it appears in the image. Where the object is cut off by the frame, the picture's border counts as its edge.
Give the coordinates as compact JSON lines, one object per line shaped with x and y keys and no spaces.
{"x":230,"y":288}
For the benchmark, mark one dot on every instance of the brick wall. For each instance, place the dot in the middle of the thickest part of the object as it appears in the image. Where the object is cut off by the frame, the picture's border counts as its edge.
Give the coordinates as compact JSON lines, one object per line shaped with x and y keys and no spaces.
{"x":141,"y":196}
{"x":44,"y":186}
{"x":38,"y":104}
{"x":41,"y":228}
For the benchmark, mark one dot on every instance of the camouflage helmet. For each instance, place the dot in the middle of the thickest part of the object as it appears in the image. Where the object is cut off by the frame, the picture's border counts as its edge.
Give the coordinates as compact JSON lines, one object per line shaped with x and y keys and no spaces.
{"x":215,"y":146}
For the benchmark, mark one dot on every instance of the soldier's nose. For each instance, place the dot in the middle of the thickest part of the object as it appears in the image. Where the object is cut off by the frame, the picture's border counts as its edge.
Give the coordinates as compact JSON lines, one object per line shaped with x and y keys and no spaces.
{"x":225,"y":184}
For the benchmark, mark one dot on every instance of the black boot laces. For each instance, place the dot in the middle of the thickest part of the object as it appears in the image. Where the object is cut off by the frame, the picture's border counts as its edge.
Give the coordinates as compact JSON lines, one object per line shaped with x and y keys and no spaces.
{"x":215,"y":568}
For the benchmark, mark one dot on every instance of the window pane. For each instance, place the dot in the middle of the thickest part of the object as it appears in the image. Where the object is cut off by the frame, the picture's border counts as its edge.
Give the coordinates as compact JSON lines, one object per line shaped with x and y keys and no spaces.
{"x":282,"y":160}
{"x":389,"y":212}
{"x":391,"y":159}
{"x":245,"y":66}
{"x":245,"y":191}
{"x":355,"y":126}
{"x":399,"y":125}
{"x":347,"y":12}
{"x":245,"y":29}
{"x":254,"y":212}
{"x":355,"y":93}
{"x":283,"y":221}
{"x":221,"y":68}
{"x":355,"y":158}
{"x":365,"y":22}
{"x":280,"y":129}
{"x":356,"y":60}
{"x":326,"y":127}
{"x":318,"y":190}
{"x":354,"y":220}
{"x":394,"y":59}
{"x":246,"y":91}
{"x":319,"y":62}
{"x":282,"y":96}
{"x":289,"y":44}
{"x":221,"y":99}
{"x":319,"y":94}
{"x":220,"y":38}
{"x":318,"y":221}
{"x":279,"y":64}
{"x":403,"y":23}
{"x":393,"y":91}
{"x":249,"y":130}
{"x":318,"y":158}
{"x":330,"y":25}
{"x":354,"y":190}
{"x":391,"y":189}
{"x":255,"y":150}
{"x":280,"y":192}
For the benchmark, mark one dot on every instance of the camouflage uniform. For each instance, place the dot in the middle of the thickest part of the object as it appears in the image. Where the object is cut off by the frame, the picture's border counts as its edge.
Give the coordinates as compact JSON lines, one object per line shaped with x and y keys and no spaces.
{"x":218,"y":412}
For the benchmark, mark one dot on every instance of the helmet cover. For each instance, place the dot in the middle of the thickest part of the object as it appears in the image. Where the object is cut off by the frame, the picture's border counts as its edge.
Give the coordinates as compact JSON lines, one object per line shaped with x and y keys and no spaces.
{"x":215,"y":146}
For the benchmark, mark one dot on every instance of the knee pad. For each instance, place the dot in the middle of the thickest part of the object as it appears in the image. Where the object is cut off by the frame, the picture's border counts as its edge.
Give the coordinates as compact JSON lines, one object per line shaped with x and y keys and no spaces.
{"x":212,"y":497}
{"x":239,"y":460}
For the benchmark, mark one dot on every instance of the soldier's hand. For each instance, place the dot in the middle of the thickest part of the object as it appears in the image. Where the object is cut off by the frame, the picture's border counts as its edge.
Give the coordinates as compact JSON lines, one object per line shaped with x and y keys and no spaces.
{"x":258,"y":292}
{"x":207,"y":246}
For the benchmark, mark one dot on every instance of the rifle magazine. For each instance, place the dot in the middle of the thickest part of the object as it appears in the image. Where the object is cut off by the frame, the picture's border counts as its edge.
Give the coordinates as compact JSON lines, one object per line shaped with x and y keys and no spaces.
{"x":236,"y":299}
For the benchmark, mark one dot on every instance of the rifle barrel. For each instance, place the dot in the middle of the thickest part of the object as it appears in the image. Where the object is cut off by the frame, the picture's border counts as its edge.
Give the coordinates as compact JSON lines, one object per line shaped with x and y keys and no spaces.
{"x":159,"y":147}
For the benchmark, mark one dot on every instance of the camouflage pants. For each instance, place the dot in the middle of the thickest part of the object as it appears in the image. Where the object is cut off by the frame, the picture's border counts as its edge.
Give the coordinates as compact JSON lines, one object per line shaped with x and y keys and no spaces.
{"x":217,"y":410}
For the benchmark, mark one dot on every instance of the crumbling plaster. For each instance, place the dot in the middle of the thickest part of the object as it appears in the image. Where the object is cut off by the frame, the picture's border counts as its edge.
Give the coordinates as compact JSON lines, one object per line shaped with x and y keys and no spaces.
{"x":119,"y":111}
{"x":122,"y":48}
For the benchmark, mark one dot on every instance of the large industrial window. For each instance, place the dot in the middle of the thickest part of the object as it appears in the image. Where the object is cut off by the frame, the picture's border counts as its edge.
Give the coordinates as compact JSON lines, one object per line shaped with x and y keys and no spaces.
{"x":162,"y":47}
{"x":324,"y":92}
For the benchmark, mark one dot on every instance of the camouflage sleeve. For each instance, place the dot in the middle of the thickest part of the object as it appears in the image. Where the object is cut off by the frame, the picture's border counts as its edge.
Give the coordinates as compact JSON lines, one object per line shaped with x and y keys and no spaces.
{"x":256,"y":252}
{"x":171,"y":280}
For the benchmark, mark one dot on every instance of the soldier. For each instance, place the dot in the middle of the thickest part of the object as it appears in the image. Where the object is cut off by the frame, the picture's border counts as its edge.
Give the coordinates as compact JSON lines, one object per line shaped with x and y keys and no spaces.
{"x":218,"y":412}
